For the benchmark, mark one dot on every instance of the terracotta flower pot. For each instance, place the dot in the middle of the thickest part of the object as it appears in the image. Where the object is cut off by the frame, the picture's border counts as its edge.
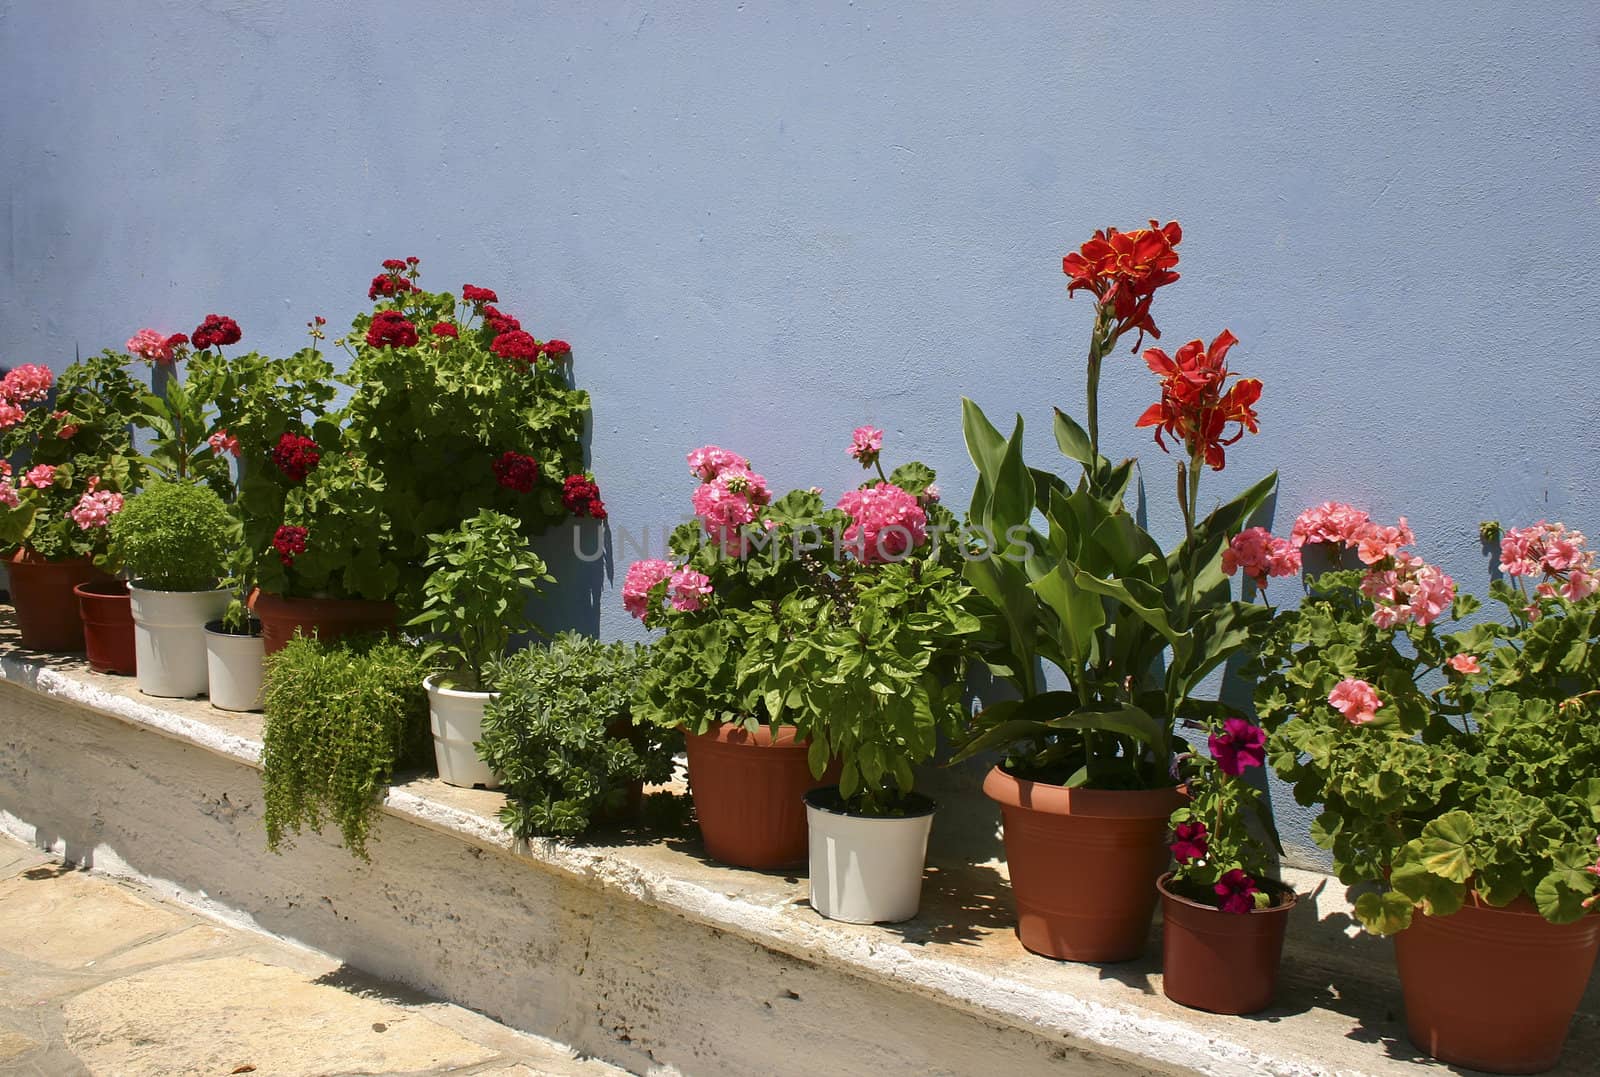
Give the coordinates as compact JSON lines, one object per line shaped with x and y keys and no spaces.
{"x":1222,"y":962}
{"x":1084,"y":864}
{"x":47,"y":608}
{"x":748,"y":790}
{"x":107,"y":617}
{"x":1494,"y":989}
{"x":325,"y":618}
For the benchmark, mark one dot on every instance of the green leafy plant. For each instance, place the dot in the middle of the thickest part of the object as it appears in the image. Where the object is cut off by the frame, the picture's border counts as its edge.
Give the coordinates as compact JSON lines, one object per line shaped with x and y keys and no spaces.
{"x":174,"y":537}
{"x":340,"y":718}
{"x":181,"y":427}
{"x":476,"y":597}
{"x":560,"y":734}
{"x":1219,"y":859}
{"x":1446,"y":763}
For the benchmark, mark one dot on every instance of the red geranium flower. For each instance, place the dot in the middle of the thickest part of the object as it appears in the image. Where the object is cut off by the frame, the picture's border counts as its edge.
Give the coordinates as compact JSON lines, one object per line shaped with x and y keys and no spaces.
{"x":295,"y":455}
{"x":1194,"y":408}
{"x":517,"y":346}
{"x":1238,"y":892}
{"x":1239,"y":747}
{"x":444,"y":329}
{"x":516,"y":472}
{"x":289,"y":542}
{"x":471,"y":293}
{"x":581,"y":496}
{"x":394,"y":265}
{"x":557,"y":350}
{"x":390,"y":329}
{"x":387,"y":284}
{"x":500,"y":322}
{"x":176,"y":340}
{"x":1189,"y":842}
{"x":1124,"y":269}
{"x":217,"y":330}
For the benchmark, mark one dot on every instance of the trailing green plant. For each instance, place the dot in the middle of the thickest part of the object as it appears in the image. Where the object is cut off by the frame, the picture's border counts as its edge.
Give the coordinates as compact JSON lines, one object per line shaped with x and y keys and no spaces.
{"x":340,"y":719}
{"x":1446,"y":763}
{"x":476,"y":597}
{"x":560,"y":735}
{"x":174,"y":536}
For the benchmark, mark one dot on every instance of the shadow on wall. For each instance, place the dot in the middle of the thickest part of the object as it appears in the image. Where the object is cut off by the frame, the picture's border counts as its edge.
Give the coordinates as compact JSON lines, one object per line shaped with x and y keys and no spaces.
{"x":579,"y":557}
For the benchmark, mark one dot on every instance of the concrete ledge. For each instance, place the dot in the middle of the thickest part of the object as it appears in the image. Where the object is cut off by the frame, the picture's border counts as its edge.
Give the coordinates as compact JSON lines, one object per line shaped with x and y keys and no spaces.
{"x":631,"y":946}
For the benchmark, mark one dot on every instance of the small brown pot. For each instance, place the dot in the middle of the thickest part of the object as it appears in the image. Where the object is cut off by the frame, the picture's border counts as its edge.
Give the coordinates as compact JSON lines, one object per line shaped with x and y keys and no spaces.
{"x":1494,"y":989}
{"x":748,"y":790}
{"x":325,"y":618}
{"x":1084,"y":864}
{"x":107,"y":616}
{"x":1222,"y":962}
{"x":47,"y":609}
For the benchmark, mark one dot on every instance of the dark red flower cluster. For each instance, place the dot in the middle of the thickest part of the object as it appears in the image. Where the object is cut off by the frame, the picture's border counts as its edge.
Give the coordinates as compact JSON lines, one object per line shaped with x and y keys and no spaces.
{"x":394,"y":265}
{"x":516,"y":472}
{"x":390,"y":329}
{"x":557,"y":350}
{"x":1237,"y":892}
{"x":1238,"y":747}
{"x":500,"y":322}
{"x":1189,"y":842}
{"x":1196,"y":404}
{"x":289,"y":542}
{"x":581,"y":495}
{"x":388,"y":284}
{"x":217,"y":330}
{"x":516,"y":346}
{"x":444,"y":329}
{"x":176,"y":340}
{"x":1124,"y":269}
{"x":295,"y":455}
{"x":471,"y":293}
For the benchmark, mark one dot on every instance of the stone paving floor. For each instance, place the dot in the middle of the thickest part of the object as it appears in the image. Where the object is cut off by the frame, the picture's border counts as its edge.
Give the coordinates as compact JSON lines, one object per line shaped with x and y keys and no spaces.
{"x":101,"y":977}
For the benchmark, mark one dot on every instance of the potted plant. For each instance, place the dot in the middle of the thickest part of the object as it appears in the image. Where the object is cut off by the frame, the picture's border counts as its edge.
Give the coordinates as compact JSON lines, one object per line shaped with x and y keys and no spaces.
{"x":475,"y":599}
{"x":236,"y":651}
{"x":865,"y":657}
{"x":174,"y":539}
{"x":453,"y":394}
{"x":79,"y":445}
{"x":748,"y":769}
{"x":560,"y":735}
{"x":341,"y":717}
{"x":1456,"y":772}
{"x":1223,"y":917}
{"x":1084,"y":783}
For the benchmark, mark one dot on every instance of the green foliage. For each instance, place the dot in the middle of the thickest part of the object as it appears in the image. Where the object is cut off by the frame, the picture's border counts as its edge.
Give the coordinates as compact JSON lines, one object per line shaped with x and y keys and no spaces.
{"x":1236,"y":820}
{"x":179,"y":424}
{"x":95,"y":401}
{"x":476,"y":597}
{"x":1485,"y":783}
{"x":174,"y":537}
{"x":1134,"y":631}
{"x":339,"y":719}
{"x":559,"y":734}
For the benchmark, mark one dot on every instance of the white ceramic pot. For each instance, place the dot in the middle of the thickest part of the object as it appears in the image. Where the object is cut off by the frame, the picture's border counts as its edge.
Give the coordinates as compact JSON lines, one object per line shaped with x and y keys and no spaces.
{"x":234,"y":665}
{"x":457,"y":721}
{"x":866,"y":869}
{"x":169,"y":638}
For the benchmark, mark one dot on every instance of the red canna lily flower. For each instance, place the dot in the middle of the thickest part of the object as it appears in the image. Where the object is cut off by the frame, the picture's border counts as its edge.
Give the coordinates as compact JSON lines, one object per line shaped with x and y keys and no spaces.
{"x":1123,"y":269}
{"x":1195,"y":407}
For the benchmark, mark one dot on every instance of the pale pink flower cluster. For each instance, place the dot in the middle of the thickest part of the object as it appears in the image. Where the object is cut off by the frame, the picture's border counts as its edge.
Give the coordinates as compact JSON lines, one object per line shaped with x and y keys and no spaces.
{"x":1464,"y":663}
{"x":687,"y":589}
{"x":866,"y":442}
{"x":1260,"y":554}
{"x":1555,"y":552}
{"x":643,"y":575}
{"x":1332,"y":522}
{"x":1355,"y":699}
{"x":885,"y":522}
{"x":151,"y":345}
{"x":8,"y":492}
{"x":41,"y":476}
{"x":1409,"y":590}
{"x":95,"y":509}
{"x":729,"y":501}
{"x":27,"y":384}
{"x":10,"y":415}
{"x":222,"y":442}
{"x":708,"y":461}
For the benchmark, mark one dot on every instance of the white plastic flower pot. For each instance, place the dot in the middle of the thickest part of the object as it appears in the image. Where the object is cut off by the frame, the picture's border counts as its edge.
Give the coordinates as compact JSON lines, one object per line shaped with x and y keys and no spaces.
{"x":866,"y":869}
{"x":457,"y":721}
{"x":234,"y":668}
{"x":169,"y":638}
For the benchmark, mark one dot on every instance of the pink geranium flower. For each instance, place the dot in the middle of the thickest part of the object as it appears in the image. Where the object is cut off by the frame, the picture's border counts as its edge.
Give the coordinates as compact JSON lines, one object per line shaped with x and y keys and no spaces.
{"x":10,"y":415}
{"x":885,"y":523}
{"x":1464,"y":663}
{"x":41,"y":477}
{"x":1355,"y":699}
{"x":223,"y":442}
{"x":1555,"y":552}
{"x":728,"y":502}
{"x":1260,"y":555}
{"x":1377,"y":542}
{"x":95,"y":509}
{"x":1331,"y":522}
{"x":8,"y":495}
{"x":708,"y":461}
{"x":151,"y":345}
{"x":27,"y":384}
{"x":866,"y":442}
{"x":642,"y":576}
{"x":687,"y":589}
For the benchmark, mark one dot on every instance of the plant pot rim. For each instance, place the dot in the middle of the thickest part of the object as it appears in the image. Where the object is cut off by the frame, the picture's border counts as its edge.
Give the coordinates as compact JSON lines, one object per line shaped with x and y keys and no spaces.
{"x":133,"y":585}
{"x":1286,"y":898}
{"x":735,"y":732}
{"x":924,"y":806}
{"x":102,"y":588}
{"x":431,"y":684}
{"x":216,"y":628}
{"x":258,"y":596}
{"x":1010,"y":791}
{"x":25,"y":556}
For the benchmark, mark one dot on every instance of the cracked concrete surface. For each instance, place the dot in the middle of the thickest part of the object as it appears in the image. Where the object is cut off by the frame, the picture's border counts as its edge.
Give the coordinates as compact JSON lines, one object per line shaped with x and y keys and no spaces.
{"x":99,"y":977}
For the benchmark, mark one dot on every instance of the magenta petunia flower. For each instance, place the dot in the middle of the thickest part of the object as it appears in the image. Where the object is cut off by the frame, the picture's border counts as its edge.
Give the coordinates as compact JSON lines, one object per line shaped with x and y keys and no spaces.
{"x":1238,"y":892}
{"x":1190,"y":841}
{"x":1239,"y":747}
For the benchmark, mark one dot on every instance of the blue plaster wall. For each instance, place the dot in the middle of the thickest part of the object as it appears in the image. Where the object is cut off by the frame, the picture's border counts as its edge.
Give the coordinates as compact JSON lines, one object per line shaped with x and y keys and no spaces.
{"x":761,"y":224}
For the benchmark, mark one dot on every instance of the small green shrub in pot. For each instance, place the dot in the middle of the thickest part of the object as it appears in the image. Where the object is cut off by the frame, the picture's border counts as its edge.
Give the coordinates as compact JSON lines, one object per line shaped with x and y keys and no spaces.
{"x":340,"y":719}
{"x":557,"y":734}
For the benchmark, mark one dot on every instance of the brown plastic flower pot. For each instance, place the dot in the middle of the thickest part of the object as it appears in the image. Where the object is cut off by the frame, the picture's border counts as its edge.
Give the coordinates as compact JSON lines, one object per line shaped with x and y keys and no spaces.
{"x":107,"y":615}
{"x":47,"y":609}
{"x":1222,"y":962}
{"x":1084,"y":864}
{"x":749,"y":791}
{"x":324,"y":618}
{"x":1494,"y":989}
